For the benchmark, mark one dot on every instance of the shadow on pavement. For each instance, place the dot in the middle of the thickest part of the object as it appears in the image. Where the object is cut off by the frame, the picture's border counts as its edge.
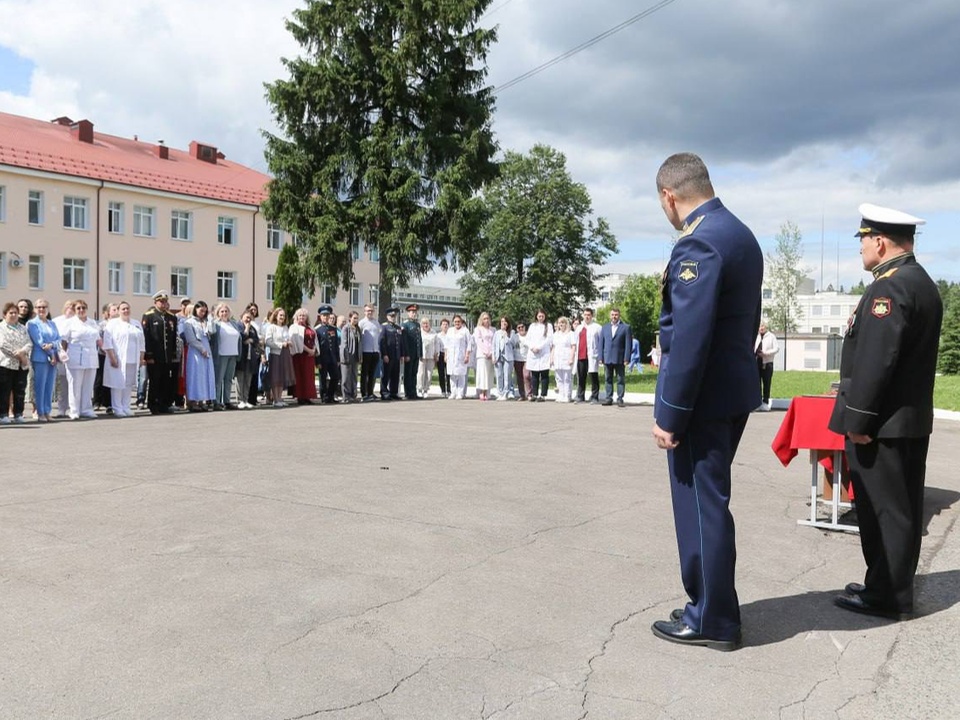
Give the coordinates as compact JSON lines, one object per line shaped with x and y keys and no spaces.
{"x":935,"y":501}
{"x":778,"y":619}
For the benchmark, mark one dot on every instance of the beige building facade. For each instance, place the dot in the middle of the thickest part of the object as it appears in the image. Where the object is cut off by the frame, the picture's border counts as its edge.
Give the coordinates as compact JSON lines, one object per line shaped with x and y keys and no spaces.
{"x":104,"y":219}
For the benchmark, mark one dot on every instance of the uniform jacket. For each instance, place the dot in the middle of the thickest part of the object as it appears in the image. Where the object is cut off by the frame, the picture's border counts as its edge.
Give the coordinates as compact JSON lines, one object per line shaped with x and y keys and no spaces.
{"x":709,"y":320}
{"x":412,"y":340}
{"x":614,"y":349}
{"x":160,"y":335}
{"x":328,"y":345}
{"x":889,"y":356}
{"x":391,"y":341}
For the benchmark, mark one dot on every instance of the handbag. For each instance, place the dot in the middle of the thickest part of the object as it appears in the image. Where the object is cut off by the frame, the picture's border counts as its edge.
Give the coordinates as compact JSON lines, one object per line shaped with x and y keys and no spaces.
{"x":63,"y":355}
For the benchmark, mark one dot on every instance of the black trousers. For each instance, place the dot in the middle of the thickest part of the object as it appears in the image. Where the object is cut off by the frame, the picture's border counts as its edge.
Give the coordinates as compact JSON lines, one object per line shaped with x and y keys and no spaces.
{"x":442,"y":373}
{"x":700,"y":489}
{"x":15,"y":382}
{"x":368,"y":373}
{"x":329,"y":381}
{"x":766,"y":377}
{"x":582,"y":374}
{"x":888,"y":478}
{"x":162,"y":388}
{"x":390,"y":377}
{"x":539,"y":382}
{"x":410,"y":368}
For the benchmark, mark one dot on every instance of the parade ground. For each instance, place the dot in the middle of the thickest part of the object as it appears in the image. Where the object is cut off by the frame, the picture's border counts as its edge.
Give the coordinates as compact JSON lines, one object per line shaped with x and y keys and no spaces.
{"x":433,"y":560}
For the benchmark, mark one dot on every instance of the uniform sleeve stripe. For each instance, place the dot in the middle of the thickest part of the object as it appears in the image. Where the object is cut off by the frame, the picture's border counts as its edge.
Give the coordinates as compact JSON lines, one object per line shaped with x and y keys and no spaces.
{"x":865,"y":412}
{"x":675,"y":407}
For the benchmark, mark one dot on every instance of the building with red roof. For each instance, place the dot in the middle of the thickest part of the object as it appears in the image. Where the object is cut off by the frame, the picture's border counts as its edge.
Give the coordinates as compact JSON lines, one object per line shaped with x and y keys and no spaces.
{"x":85,"y":215}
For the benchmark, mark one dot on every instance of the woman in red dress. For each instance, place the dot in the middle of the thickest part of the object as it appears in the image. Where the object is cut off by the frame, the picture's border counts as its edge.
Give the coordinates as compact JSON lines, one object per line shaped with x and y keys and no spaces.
{"x":303,"y":348}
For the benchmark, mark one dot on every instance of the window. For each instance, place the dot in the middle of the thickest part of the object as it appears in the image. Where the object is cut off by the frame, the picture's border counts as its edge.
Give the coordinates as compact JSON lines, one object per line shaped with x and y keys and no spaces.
{"x":834,"y":310}
{"x":274,"y":238}
{"x":143,"y":221}
{"x":180,"y":222}
{"x":3,"y":205}
{"x":75,"y":213}
{"x":328,"y":294}
{"x":816,"y":330}
{"x":811,"y":363}
{"x":767,"y":294}
{"x":226,"y":285}
{"x":835,"y":330}
{"x":35,"y":207}
{"x":143,"y":279}
{"x":114,"y":277}
{"x":374,"y":254}
{"x":74,"y":274}
{"x":374,"y":293}
{"x":3,"y":268}
{"x":35,"y":272}
{"x":269,"y":287}
{"x":355,"y":294}
{"x":115,"y":217}
{"x":356,"y":249}
{"x":226,"y":227}
{"x":817,"y":310}
{"x":180,"y":281}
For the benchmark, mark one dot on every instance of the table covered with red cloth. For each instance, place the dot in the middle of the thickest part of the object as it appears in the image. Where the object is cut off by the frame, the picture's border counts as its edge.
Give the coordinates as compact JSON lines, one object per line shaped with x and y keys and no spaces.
{"x":805,"y":428}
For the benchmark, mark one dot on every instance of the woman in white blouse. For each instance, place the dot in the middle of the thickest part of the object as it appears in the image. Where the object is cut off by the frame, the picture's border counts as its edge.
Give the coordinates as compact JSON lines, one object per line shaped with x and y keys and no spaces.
{"x":428,"y":357}
{"x":81,"y":338}
{"x":483,"y":339}
{"x":539,"y":341}
{"x":123,"y":345}
{"x":225,"y":361}
{"x":564,"y":350}
{"x":280,"y":373}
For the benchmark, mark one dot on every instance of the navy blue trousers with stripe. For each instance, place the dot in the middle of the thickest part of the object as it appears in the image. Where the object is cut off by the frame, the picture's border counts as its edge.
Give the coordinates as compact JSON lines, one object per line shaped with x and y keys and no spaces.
{"x":700,"y":487}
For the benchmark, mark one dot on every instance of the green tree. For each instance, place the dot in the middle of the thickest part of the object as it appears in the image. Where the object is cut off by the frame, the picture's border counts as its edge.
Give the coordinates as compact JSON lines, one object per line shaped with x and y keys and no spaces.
{"x":539,"y":244}
{"x":948,"y":359}
{"x":288,"y":281}
{"x":858,"y":289}
{"x":386,"y":137}
{"x":639,"y":299}
{"x":784,"y":273}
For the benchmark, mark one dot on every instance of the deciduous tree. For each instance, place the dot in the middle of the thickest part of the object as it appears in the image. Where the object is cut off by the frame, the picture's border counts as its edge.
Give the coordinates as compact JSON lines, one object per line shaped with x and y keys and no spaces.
{"x":784,"y":273}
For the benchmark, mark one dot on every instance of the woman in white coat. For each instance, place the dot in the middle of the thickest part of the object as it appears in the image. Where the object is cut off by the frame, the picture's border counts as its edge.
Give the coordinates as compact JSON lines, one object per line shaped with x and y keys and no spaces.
{"x":81,"y":339}
{"x":123,"y":345}
{"x":539,"y":342}
{"x":564,"y":350}
{"x":456,"y":348}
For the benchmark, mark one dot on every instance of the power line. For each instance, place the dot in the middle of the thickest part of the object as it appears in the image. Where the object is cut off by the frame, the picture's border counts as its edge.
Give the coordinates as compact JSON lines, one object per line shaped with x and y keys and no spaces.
{"x":495,"y":9}
{"x":583,"y":46}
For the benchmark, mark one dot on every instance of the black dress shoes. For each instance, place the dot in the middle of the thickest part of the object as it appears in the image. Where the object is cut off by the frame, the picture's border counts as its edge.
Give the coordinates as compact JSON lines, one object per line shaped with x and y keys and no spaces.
{"x":676,"y":614}
{"x":854,"y":589}
{"x":678,"y":632}
{"x":856,"y":603}
{"x":608,"y":402}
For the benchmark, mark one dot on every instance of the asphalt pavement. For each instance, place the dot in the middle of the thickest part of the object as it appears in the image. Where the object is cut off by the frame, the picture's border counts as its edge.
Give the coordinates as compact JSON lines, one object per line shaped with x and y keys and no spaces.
{"x":436,"y":560}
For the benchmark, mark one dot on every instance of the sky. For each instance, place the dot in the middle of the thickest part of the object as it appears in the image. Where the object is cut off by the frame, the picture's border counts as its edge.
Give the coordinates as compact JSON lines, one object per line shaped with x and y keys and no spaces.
{"x":801,"y":110}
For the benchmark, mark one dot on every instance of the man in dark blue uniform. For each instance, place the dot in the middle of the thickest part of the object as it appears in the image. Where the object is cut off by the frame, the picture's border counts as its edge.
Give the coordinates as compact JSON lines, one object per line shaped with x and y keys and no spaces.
{"x":706,"y":389}
{"x":412,"y":350}
{"x":391,"y":350}
{"x":328,"y":355}
{"x":885,"y":408}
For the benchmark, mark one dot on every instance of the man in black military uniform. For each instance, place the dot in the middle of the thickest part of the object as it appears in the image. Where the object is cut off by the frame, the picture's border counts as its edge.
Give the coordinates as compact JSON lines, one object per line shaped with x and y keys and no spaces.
{"x":885,"y":408}
{"x":391,"y":350}
{"x":328,"y":354}
{"x":412,"y":350}
{"x":160,"y":354}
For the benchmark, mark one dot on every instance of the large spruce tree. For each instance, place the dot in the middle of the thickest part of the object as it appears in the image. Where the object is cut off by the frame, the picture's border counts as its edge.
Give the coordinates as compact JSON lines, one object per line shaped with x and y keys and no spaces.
{"x":384,"y":138}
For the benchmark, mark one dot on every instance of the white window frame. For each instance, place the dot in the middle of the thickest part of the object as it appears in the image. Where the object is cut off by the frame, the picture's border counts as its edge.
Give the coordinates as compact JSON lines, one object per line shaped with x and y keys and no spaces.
{"x":226,"y":281}
{"x":181,"y":280}
{"x":181,"y":225}
{"x":35,"y":265}
{"x":356,"y":250}
{"x":144,"y":279}
{"x":75,"y":209}
{"x":328,"y":294}
{"x":274,"y":237}
{"x":225,"y":223}
{"x":142,"y":214}
{"x":373,"y":293}
{"x":3,"y":269}
{"x":35,"y":198}
{"x":374,"y":253}
{"x":115,"y":217}
{"x":73,"y":266}
{"x":3,"y":203}
{"x":356,"y":293}
{"x":270,"y":287}
{"x":114,"y":277}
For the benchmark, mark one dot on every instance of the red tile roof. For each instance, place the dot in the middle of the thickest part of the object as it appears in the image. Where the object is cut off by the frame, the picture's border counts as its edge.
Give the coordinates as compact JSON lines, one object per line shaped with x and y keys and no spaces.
{"x":53,"y":147}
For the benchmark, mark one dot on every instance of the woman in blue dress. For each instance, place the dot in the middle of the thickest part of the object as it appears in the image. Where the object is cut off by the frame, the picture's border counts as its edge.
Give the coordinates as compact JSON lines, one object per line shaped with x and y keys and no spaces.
{"x":200,"y":383}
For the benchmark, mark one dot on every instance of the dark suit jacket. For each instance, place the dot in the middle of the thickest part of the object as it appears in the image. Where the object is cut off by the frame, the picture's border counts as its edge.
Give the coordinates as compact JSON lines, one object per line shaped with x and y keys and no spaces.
{"x":709,"y":320}
{"x":614,"y":349}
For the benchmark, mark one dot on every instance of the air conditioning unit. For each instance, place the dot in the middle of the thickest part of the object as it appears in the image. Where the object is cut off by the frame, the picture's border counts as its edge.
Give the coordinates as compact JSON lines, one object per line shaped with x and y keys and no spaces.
{"x":16,"y":262}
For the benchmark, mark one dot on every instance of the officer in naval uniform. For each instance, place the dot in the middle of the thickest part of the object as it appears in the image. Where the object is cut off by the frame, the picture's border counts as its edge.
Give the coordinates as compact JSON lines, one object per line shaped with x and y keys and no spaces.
{"x":391,"y":350}
{"x":412,"y":350}
{"x":706,"y":389}
{"x":885,"y":408}
{"x":160,"y":354}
